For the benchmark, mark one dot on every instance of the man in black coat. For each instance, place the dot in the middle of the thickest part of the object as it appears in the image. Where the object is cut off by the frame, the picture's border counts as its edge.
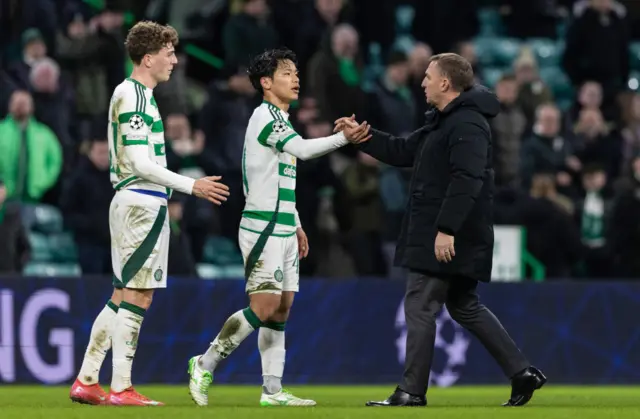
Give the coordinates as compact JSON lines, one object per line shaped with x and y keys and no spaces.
{"x":450,"y":202}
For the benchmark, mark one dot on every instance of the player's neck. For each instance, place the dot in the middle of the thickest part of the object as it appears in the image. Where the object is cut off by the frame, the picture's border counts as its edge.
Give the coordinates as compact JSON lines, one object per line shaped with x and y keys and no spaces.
{"x":276,"y":102}
{"x":143,"y":78}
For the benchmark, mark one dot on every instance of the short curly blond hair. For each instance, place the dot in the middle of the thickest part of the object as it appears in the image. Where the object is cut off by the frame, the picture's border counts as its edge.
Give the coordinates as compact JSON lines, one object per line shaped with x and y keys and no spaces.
{"x":148,"y":38}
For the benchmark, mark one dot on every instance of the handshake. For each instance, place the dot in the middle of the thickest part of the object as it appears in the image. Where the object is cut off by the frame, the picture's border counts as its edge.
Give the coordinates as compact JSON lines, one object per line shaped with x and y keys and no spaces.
{"x":354,"y":133}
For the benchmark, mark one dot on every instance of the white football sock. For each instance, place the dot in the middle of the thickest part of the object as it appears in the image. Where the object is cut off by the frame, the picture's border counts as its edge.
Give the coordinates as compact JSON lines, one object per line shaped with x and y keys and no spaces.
{"x":99,"y":344}
{"x":272,"y":354}
{"x":125,"y":343}
{"x":236,"y":329}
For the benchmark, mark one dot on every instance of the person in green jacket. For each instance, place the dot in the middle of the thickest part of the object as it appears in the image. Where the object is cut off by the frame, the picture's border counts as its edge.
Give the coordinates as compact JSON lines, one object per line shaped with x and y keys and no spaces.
{"x":30,"y":153}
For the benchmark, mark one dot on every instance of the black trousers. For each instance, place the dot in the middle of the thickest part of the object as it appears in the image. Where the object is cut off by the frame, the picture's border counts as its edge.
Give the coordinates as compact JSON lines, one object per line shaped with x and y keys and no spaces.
{"x":424,"y":298}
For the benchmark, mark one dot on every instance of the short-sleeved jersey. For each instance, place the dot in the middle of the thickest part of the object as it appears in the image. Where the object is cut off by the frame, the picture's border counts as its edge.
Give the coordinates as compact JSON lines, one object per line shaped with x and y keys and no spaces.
{"x":269,"y":173}
{"x":134,"y":119}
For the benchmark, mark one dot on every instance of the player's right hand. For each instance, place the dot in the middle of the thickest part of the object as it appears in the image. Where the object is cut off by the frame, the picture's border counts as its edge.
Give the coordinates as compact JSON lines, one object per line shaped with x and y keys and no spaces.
{"x":344,"y":122}
{"x":210,"y":189}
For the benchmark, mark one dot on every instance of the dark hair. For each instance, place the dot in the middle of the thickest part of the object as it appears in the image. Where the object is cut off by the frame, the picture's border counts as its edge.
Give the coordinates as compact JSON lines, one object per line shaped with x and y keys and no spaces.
{"x":266,"y":64}
{"x":148,"y":38}
{"x":455,"y":68}
{"x":592,"y":168}
{"x":507,"y":77}
{"x":397,"y":57}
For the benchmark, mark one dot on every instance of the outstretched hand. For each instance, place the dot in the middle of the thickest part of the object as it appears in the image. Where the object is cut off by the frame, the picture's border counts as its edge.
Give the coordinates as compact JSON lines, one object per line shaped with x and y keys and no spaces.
{"x":354,"y":133}
{"x":210,"y":189}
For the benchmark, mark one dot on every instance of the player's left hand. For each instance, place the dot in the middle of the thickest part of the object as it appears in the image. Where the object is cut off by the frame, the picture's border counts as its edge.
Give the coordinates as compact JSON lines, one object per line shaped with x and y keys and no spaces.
{"x":303,"y":243}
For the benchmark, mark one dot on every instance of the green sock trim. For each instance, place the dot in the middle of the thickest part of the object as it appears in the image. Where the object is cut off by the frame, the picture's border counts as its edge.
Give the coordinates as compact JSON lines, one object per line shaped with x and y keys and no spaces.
{"x":133,"y":308}
{"x":279,"y":326}
{"x":251,"y":317}
{"x":112,"y":306}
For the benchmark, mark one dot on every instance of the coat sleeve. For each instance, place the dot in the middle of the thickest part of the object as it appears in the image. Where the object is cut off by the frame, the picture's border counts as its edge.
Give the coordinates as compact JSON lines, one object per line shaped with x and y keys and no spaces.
{"x":396,"y":151}
{"x":54,"y":159}
{"x":468,"y":148}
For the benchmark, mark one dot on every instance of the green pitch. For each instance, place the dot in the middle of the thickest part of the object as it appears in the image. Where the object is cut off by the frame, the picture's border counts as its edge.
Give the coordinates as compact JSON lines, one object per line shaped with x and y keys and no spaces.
{"x":334,"y":402}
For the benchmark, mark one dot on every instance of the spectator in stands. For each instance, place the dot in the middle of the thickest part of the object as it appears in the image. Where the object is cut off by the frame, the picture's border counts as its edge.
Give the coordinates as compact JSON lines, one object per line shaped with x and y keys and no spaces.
{"x":547,"y":150}
{"x":223,"y":119}
{"x":543,"y":185}
{"x":590,"y":97}
{"x":81,"y":52}
{"x":595,"y":143}
{"x":30,"y":153}
{"x":51,"y":99}
{"x":316,"y":179}
{"x":319,"y":17}
{"x":18,"y":15}
{"x":593,"y":214}
{"x":624,"y":234}
{"x":597,"y":46}
{"x":33,"y":49}
{"x":362,"y":184}
{"x":181,"y":259}
{"x":249,"y":32}
{"x":548,"y":218}
{"x":390,"y":106}
{"x":631,"y":136}
{"x":334,"y":75}
{"x":532,"y":90}
{"x":85,"y":202}
{"x":187,"y":155}
{"x":507,"y":128}
{"x":14,"y":246}
{"x":418,"y":63}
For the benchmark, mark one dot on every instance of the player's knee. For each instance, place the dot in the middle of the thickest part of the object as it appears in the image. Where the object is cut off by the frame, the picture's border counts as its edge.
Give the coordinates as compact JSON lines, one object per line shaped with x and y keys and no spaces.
{"x":264,"y":305}
{"x":263,"y":313}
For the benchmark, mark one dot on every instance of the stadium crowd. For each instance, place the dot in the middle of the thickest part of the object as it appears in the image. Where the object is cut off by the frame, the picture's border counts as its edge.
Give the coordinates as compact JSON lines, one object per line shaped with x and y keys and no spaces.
{"x":566,"y":147}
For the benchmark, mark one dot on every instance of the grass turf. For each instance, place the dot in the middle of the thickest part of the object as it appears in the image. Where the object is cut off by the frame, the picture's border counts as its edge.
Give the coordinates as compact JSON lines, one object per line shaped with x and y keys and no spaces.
{"x":335,"y":402}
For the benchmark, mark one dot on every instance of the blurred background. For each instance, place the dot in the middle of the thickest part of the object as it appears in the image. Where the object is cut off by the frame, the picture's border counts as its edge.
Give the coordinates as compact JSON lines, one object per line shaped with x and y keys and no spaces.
{"x":566,"y":143}
{"x":567,"y":152}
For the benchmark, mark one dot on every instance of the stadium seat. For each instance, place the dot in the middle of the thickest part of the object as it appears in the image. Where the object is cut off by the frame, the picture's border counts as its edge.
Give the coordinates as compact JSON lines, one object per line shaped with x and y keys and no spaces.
{"x":558,"y":82}
{"x":548,"y":52}
{"x":494,"y":51}
{"x":634,"y":56}
{"x":42,"y":218}
{"x":491,"y":23}
{"x":63,"y":248}
{"x":51,"y":269}
{"x":491,"y":75}
{"x":40,"y":249}
{"x":221,"y":251}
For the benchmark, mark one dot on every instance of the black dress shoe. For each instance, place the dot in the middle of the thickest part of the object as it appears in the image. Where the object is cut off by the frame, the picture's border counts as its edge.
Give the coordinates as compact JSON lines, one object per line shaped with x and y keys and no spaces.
{"x":400,"y":398}
{"x":523,"y":384}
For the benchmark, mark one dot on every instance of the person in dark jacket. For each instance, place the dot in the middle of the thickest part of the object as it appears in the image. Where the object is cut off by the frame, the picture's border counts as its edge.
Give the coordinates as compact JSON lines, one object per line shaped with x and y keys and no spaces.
{"x":450,"y":201}
{"x":85,"y":201}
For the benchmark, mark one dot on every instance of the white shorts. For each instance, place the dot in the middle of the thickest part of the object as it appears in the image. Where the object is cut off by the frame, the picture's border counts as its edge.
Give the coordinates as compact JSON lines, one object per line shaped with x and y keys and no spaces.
{"x":272,"y":261}
{"x":140,"y":234}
